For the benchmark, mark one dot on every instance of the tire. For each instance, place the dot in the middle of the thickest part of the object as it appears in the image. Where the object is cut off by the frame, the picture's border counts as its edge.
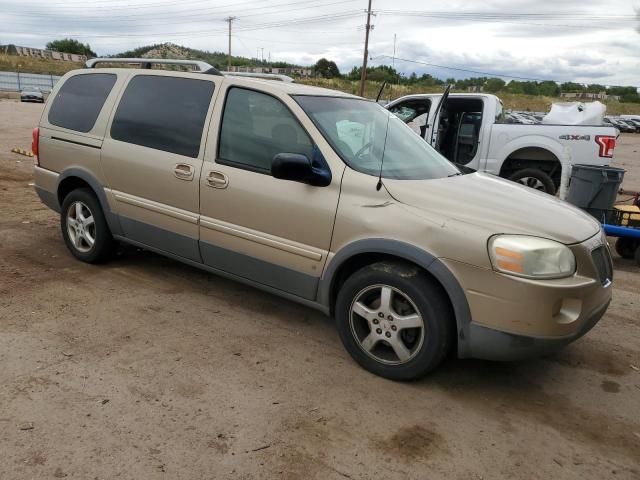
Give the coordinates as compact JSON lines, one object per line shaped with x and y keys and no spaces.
{"x":626,"y":247}
{"x":637,"y":255}
{"x":536,"y":179}
{"x":78,"y":234}
{"x":415,"y":299}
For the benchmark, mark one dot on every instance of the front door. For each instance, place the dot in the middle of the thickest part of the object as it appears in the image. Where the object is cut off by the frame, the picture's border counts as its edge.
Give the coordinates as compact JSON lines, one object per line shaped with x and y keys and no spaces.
{"x":271,"y":231}
{"x":152,"y":159}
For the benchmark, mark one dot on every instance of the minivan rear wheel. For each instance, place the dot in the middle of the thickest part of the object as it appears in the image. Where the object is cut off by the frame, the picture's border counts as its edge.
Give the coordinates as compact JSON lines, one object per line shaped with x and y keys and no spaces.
{"x":394,"y":320}
{"x":84,"y":228}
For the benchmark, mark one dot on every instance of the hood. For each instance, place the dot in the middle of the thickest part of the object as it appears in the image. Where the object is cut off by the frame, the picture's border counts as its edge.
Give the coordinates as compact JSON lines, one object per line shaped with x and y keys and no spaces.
{"x":497,"y":205}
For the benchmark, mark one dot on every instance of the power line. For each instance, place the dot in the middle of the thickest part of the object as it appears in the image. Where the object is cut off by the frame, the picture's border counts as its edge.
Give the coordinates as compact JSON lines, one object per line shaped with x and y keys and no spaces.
{"x":146,"y":6}
{"x":189,"y":13}
{"x":205,"y":33}
{"x":517,"y":18}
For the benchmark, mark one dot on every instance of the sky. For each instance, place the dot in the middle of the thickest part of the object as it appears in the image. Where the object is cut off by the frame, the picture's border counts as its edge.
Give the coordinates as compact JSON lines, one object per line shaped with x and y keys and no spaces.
{"x":588,"y":41}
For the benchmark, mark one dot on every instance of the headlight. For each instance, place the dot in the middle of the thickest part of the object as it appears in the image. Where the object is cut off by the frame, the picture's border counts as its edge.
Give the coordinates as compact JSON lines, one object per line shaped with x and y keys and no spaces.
{"x":531,"y":257}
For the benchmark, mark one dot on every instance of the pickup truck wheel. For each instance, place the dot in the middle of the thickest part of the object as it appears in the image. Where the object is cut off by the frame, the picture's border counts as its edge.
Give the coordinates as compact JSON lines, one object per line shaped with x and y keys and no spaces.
{"x":536,"y":179}
{"x":394,"y":320}
{"x":626,"y":247}
{"x":84,"y":228}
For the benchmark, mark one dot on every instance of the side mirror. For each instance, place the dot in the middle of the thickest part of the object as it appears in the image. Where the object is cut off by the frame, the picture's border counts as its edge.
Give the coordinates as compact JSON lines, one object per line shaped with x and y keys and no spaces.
{"x":298,"y":168}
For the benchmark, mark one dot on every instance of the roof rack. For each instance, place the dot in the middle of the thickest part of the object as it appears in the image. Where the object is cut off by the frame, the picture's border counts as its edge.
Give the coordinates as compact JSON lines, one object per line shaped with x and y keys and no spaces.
{"x":264,"y":76}
{"x":203,"y":67}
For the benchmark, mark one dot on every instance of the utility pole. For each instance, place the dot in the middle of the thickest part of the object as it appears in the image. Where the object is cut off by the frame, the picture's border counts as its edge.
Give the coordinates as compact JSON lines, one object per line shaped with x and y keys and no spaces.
{"x":393,"y":65}
{"x":229,"y":20}
{"x":363,"y":74}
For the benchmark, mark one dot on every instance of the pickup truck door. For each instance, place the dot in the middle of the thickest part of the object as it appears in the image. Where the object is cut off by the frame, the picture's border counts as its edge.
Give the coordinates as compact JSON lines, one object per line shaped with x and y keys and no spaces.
{"x":432,"y":134}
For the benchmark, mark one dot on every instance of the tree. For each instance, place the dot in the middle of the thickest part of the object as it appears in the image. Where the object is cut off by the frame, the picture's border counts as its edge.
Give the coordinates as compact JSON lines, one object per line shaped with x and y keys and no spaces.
{"x":596,"y":88}
{"x":549,"y":88}
{"x":326,"y":68}
{"x":514,"y":86}
{"x":572,"y":87}
{"x":69,"y":45}
{"x":631,"y":91}
{"x":494,"y":85}
{"x":630,"y":98}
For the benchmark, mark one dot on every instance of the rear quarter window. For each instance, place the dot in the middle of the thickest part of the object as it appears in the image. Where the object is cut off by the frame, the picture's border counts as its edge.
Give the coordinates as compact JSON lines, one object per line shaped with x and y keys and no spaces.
{"x":163,"y":113}
{"x":79,"y":101}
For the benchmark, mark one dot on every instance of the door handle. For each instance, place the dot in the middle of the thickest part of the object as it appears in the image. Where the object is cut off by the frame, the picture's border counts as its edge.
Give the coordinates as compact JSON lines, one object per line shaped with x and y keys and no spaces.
{"x":217,"y":179}
{"x":183,"y":171}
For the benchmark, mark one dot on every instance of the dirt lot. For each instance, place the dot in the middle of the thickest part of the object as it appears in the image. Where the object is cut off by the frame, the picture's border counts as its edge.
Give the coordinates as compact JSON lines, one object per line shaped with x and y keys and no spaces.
{"x":148,"y":369}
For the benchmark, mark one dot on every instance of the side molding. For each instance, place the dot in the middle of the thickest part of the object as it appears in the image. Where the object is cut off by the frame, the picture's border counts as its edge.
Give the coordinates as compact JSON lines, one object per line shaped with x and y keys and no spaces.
{"x":415,"y":255}
{"x":112,"y":219}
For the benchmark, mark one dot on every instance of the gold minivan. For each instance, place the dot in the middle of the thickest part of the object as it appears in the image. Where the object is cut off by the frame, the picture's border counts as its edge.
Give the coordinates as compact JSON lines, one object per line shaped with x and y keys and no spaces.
{"x":323,"y":198}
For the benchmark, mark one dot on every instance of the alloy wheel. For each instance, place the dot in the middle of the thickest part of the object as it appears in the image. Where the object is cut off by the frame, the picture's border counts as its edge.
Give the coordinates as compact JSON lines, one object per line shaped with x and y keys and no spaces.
{"x":532,"y":182}
{"x":386,"y":324}
{"x":81,"y":226}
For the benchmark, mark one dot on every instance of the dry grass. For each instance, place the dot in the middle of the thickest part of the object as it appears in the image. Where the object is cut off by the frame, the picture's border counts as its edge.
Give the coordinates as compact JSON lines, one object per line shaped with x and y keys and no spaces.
{"x":531,"y":103}
{"x":15,"y":63}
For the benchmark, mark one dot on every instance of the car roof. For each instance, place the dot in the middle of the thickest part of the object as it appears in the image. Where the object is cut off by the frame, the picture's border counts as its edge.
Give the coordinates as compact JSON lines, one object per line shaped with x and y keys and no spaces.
{"x":290,"y":88}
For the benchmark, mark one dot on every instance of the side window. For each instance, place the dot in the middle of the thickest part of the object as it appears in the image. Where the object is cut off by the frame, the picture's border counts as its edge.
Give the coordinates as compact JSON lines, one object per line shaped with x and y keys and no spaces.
{"x":79,"y":101}
{"x":414,"y":113}
{"x":163,"y":113}
{"x":256,"y":127}
{"x":404,"y":112}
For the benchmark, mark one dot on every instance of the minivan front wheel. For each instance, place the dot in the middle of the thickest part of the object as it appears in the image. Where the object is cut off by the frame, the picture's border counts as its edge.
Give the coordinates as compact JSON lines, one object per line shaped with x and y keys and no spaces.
{"x":84,"y":228}
{"x":394,"y":320}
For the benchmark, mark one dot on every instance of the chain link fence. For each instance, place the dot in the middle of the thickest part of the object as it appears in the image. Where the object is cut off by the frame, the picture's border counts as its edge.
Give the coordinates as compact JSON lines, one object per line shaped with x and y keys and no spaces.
{"x":16,"y":81}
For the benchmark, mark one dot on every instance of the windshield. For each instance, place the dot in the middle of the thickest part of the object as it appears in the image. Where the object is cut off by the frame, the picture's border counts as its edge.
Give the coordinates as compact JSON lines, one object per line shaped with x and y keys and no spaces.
{"x":365,"y":135}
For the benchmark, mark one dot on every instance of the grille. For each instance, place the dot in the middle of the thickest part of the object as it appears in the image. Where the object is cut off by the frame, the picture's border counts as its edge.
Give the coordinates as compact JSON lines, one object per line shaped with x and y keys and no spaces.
{"x":604,"y":266}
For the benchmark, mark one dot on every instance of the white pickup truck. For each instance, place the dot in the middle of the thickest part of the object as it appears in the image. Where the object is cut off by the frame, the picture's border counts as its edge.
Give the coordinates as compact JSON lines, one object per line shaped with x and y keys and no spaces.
{"x":468,"y":129}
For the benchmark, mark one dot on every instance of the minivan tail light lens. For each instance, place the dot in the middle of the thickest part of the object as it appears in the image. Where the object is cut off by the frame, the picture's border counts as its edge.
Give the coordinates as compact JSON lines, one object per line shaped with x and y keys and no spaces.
{"x":606,"y":143}
{"x":35,"y":145}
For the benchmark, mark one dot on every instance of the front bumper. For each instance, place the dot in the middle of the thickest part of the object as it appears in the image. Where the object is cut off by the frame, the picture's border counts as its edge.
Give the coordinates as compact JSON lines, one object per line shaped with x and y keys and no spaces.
{"x":488,"y":344}
{"x":514,"y":317}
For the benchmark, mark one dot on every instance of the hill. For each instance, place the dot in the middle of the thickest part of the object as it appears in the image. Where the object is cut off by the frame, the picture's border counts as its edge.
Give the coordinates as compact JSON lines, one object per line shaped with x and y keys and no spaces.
{"x":216,"y":59}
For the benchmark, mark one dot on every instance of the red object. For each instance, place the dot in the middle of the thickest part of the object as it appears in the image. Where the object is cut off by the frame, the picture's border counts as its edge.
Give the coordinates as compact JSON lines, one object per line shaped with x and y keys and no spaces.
{"x":606,"y":143}
{"x":35,"y":143}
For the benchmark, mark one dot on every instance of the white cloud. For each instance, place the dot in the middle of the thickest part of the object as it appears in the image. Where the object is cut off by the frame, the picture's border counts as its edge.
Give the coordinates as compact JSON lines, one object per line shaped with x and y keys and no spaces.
{"x":582,"y":40}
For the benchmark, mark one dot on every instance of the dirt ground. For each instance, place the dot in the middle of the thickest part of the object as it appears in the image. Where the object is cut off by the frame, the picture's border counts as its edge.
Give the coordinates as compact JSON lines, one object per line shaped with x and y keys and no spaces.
{"x":145,"y":368}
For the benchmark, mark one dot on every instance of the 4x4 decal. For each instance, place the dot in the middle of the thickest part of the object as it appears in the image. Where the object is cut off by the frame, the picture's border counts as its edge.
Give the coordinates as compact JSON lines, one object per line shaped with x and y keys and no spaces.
{"x":575,"y":137}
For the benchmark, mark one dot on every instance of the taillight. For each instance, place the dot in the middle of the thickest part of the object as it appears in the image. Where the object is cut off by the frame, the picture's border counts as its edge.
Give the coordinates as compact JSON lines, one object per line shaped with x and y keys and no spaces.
{"x":606,"y":143}
{"x":35,"y":144}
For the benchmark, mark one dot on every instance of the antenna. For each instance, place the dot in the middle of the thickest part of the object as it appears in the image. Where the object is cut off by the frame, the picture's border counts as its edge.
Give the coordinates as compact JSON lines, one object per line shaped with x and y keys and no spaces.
{"x":384,"y":84}
{"x":384,"y":149}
